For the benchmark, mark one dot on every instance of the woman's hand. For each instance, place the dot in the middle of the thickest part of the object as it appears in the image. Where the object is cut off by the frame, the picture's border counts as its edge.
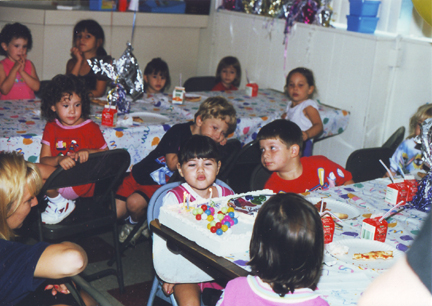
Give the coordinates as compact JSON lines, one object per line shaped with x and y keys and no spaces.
{"x":168,"y":288}
{"x":57,"y":288}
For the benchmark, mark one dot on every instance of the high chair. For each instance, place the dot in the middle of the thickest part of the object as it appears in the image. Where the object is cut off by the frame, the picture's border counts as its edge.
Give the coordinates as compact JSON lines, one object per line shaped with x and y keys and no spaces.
{"x":153,"y":213}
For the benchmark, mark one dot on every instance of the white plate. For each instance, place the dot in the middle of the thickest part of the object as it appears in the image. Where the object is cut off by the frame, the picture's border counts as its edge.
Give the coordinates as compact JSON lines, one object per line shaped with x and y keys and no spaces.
{"x":336,"y":206}
{"x":365,"y":246}
{"x":148,"y":117}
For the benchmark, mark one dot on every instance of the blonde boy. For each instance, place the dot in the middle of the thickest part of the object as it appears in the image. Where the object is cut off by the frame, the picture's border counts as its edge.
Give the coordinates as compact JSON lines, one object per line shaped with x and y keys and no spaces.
{"x":281,"y":143}
{"x":215,"y":118}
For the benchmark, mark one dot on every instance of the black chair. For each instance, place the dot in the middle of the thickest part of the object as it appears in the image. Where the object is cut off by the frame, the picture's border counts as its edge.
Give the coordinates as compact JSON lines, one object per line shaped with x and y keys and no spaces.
{"x":202,"y":83}
{"x":248,"y":158}
{"x":230,"y":152}
{"x":396,"y":139}
{"x":364,"y":164}
{"x":259,"y":177}
{"x":105,"y":169}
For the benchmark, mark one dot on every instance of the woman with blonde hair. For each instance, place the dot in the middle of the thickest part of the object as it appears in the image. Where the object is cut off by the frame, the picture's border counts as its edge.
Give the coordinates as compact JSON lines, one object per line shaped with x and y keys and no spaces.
{"x":24,"y":268}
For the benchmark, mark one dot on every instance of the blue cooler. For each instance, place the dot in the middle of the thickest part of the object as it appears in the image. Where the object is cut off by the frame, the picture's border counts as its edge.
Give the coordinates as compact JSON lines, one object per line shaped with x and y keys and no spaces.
{"x":362,"y":17}
{"x":362,"y":24}
{"x":364,"y":8}
{"x":163,"y":6}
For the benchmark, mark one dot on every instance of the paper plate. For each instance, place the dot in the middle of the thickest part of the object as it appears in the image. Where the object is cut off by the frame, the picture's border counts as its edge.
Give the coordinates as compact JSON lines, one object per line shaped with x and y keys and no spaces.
{"x":148,"y":117}
{"x":192,"y":98}
{"x":364,"y":246}
{"x":337,"y":206}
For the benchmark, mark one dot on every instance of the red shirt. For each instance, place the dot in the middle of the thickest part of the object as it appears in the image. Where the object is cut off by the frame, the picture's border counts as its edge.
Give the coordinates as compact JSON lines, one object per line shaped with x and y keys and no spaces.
{"x":62,"y":139}
{"x":318,"y":173}
{"x":220,"y":87}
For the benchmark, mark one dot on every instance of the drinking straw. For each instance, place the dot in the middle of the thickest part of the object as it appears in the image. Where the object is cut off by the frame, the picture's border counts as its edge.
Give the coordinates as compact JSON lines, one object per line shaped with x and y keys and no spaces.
{"x":333,"y":215}
{"x":321,"y":208}
{"x":211,"y":191}
{"x":401,"y":171}
{"x":180,"y":79}
{"x":247,"y":76}
{"x":388,"y":213}
{"x":388,"y":171}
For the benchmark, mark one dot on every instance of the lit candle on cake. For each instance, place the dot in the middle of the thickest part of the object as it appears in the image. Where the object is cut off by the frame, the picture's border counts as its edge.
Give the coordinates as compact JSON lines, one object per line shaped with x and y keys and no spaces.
{"x":188,"y":199}
{"x":211,"y":193}
{"x":184,"y":198}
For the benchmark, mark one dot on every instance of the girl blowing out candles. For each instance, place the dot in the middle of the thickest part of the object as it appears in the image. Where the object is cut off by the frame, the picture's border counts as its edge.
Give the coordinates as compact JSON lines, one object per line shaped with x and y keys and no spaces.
{"x":199,"y":163}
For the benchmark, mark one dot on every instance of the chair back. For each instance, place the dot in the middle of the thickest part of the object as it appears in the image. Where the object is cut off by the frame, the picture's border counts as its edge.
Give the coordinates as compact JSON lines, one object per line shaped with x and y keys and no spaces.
{"x":396,"y":139}
{"x":156,"y":200}
{"x":259,"y":177}
{"x":364,"y":164}
{"x":201,"y":83}
{"x":248,"y":158}
{"x":230,"y":152}
{"x":103,"y":168}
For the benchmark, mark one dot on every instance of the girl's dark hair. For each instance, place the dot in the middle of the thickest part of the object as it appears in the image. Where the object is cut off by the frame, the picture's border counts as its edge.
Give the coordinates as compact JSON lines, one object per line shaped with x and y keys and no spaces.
{"x":155,"y":66}
{"x":287,"y":244}
{"x":226,"y":62}
{"x":307,"y":73}
{"x":94,"y":29}
{"x":64,"y":85}
{"x":15,"y":30}
{"x":198,"y":146}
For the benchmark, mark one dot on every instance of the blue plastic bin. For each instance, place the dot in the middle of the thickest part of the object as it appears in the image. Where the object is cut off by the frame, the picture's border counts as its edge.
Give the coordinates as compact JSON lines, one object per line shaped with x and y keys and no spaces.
{"x":364,"y":8}
{"x":163,"y":6}
{"x":362,"y":24}
{"x":101,"y":5}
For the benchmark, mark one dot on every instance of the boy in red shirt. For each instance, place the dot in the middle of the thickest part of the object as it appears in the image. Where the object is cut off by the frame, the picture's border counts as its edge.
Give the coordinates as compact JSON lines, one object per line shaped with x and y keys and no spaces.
{"x":281,"y":146}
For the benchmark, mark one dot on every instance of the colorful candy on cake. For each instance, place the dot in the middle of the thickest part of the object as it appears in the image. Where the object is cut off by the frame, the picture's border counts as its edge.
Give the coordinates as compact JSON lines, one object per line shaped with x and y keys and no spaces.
{"x":221,"y":225}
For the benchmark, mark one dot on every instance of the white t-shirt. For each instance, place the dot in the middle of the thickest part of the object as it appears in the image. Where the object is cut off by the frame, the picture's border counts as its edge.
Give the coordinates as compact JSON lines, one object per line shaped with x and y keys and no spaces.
{"x":296,"y":115}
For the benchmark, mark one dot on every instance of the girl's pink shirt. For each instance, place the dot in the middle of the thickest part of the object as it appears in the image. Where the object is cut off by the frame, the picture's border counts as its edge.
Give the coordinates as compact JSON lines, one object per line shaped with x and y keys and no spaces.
{"x":20,"y":89}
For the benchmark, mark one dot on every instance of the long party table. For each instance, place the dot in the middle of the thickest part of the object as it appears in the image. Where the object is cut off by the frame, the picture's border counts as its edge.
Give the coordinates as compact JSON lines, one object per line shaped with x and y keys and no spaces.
{"x":342,"y":281}
{"x":21,"y":125}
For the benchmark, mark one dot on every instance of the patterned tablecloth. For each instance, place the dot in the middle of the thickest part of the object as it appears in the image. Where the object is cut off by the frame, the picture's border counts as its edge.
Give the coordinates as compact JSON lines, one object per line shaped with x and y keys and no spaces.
{"x":342,"y":283}
{"x":21,"y":126}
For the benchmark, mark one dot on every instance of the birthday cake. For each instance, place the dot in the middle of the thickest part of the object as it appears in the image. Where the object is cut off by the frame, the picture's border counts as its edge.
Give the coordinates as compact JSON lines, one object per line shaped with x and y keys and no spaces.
{"x":221,"y":225}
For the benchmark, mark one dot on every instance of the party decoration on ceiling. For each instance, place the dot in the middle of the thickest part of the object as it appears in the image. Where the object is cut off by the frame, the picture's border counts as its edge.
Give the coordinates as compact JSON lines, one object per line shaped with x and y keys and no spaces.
{"x":424,"y":8}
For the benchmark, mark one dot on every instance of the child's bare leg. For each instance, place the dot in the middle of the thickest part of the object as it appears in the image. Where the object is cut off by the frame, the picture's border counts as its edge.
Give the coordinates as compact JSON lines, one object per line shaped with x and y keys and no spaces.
{"x":187,"y":294}
{"x":121,"y":209}
{"x":136,"y":206}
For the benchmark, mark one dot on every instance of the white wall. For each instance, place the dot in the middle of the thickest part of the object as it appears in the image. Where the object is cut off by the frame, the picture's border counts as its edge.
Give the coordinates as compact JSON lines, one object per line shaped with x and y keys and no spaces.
{"x":173,"y":37}
{"x":381,"y":80}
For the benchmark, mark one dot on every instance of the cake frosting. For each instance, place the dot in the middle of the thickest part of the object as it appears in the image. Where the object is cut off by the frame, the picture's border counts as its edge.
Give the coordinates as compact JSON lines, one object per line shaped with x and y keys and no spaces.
{"x":235,"y":239}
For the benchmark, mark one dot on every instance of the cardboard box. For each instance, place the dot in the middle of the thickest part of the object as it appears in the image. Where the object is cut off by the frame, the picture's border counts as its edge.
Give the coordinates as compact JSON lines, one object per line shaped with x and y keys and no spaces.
{"x":328,"y":227}
{"x":252,"y":89}
{"x":372,"y":229}
{"x":401,"y":190}
{"x":178,"y":95}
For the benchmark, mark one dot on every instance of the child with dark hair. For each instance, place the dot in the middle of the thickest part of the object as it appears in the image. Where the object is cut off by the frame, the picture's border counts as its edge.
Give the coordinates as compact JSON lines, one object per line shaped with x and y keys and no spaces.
{"x":198,"y":163}
{"x":88,"y":41}
{"x":215,"y":118}
{"x":281,"y":144}
{"x":228,"y":74}
{"x":286,"y":252}
{"x":156,"y":76}
{"x":301,"y":109}
{"x":18,"y":78}
{"x":69,"y":137}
